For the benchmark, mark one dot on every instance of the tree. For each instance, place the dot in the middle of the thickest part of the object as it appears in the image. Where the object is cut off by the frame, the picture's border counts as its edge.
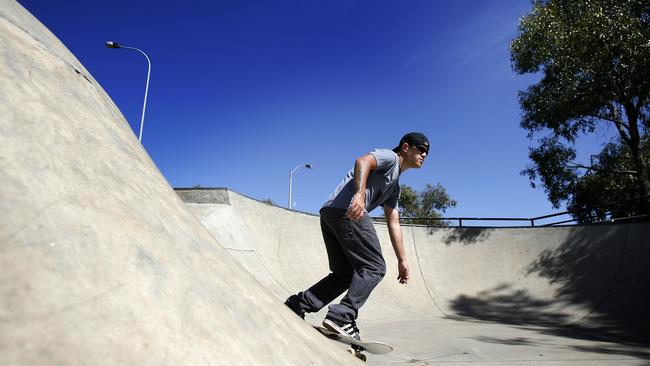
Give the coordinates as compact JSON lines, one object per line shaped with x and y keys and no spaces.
{"x":594,"y":61}
{"x":269,"y":202}
{"x":425,"y":205}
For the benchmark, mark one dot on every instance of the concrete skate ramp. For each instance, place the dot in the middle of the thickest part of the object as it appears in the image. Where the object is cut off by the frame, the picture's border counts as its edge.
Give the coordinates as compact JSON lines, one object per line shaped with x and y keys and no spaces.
{"x":557,"y":280}
{"x":101,"y":262}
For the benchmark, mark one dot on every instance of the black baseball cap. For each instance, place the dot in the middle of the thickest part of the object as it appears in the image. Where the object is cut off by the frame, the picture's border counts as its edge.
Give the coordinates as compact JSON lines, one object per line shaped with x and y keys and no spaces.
{"x":413,"y":138}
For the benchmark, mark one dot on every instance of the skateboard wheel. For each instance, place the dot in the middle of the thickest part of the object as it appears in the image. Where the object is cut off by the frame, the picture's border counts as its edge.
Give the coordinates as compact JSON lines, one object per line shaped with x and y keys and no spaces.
{"x":357,"y":353}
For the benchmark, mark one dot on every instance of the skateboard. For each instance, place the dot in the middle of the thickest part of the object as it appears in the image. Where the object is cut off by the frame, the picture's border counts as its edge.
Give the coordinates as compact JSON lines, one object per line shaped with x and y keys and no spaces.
{"x":357,"y":347}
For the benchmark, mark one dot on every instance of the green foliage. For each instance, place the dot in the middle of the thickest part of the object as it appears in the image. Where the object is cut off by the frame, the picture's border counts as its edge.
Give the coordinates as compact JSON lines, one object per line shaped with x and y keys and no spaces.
{"x":425,"y":205}
{"x":551,"y":165}
{"x":609,"y":180}
{"x":593,"y":57}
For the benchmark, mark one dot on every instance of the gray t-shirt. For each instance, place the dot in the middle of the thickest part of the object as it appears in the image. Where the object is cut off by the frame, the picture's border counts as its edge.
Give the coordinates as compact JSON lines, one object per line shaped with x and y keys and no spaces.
{"x":382,"y":186}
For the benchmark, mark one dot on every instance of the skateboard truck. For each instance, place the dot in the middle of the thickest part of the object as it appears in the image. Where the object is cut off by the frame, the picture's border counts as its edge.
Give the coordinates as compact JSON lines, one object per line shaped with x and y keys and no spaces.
{"x":357,"y":352}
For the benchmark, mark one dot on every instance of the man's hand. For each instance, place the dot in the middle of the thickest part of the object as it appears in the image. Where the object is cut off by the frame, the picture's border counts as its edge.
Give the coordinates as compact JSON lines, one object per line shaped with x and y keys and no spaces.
{"x":404,"y":274}
{"x":357,"y":206}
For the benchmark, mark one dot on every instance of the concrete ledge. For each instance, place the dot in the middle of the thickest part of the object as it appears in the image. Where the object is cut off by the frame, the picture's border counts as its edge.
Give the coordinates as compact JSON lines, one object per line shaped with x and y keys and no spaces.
{"x":204,"y":195}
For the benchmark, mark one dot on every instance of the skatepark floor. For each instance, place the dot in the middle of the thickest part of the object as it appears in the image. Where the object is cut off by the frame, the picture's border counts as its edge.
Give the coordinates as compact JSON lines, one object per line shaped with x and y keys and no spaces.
{"x":462,"y":342}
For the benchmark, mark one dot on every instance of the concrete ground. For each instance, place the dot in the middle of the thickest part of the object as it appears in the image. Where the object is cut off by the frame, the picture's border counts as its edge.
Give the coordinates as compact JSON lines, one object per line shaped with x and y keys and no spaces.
{"x":462,"y":342}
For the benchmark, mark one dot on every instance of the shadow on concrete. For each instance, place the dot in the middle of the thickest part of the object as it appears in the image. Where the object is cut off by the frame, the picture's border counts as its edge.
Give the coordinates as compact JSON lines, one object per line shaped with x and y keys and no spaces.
{"x":517,"y":308}
{"x":506,"y":305}
{"x":609,"y":350}
{"x":605,"y":269}
{"x":624,"y":349}
{"x":518,"y":341}
{"x":466,"y":236}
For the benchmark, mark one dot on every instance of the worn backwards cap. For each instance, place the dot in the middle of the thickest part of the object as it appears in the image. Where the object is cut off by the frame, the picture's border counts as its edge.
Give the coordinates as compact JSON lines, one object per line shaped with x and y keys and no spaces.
{"x":412,"y":138}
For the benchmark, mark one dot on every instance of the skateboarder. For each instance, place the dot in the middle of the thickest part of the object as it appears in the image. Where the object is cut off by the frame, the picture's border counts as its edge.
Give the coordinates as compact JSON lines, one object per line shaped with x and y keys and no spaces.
{"x":353,"y":249}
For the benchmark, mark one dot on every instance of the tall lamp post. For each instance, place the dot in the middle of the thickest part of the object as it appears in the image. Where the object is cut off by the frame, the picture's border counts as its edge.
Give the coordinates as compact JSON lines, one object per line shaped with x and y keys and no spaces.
{"x":111,"y":44}
{"x":308,"y":166}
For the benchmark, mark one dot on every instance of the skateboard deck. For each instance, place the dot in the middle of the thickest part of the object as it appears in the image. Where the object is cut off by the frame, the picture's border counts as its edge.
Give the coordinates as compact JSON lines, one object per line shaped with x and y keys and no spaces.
{"x":374,"y":347}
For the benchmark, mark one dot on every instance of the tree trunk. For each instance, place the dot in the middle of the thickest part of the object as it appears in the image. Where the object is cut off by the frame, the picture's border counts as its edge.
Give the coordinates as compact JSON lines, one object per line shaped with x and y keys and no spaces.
{"x":643,"y":180}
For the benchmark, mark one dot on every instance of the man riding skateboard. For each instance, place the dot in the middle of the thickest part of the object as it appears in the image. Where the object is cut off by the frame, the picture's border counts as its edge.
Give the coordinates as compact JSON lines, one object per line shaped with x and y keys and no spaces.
{"x":353,"y":250}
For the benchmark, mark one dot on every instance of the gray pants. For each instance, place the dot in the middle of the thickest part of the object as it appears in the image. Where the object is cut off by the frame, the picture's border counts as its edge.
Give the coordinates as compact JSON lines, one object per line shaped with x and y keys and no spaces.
{"x":355,"y":260}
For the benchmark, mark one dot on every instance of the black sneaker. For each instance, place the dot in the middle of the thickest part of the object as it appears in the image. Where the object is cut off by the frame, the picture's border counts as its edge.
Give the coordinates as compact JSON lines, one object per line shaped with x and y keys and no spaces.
{"x":341,"y":327}
{"x":293,"y":304}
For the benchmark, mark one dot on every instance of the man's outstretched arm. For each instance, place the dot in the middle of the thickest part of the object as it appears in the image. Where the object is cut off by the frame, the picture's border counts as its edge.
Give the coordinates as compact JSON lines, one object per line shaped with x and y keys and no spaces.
{"x":395,"y":232}
{"x":362,"y":168}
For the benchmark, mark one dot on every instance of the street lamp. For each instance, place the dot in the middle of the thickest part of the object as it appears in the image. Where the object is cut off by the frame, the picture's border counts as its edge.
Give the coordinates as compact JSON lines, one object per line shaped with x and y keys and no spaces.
{"x":308,"y":166}
{"x":111,"y":44}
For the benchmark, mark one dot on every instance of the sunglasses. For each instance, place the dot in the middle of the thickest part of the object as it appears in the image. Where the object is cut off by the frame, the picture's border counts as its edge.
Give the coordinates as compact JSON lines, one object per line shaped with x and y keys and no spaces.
{"x":422,"y":148}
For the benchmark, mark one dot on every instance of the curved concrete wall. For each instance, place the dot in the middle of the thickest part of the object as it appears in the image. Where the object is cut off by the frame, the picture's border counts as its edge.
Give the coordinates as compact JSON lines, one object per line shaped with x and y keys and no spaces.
{"x":593,"y":276}
{"x":554,"y":275}
{"x":102,"y":264}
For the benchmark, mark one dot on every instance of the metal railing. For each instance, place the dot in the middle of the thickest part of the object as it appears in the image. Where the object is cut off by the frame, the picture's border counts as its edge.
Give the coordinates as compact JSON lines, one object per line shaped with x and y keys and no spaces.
{"x":462,"y":221}
{"x":530,"y":221}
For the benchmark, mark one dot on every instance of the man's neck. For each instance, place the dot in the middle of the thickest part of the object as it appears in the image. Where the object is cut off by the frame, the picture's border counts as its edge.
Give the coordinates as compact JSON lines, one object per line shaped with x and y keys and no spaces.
{"x":402,"y":168}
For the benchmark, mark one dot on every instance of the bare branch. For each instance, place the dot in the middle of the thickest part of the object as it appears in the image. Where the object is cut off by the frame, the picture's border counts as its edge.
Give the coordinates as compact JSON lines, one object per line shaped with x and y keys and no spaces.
{"x":609,"y":119}
{"x":623,"y":129}
{"x":626,"y":136}
{"x":575,"y":165}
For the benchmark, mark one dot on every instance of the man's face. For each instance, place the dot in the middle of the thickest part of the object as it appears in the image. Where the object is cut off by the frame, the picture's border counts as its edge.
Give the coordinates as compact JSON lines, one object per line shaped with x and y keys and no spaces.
{"x":416,"y":154}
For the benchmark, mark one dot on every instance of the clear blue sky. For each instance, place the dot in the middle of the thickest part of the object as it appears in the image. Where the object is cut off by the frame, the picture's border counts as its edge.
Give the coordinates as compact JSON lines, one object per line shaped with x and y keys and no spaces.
{"x":243,"y":91}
